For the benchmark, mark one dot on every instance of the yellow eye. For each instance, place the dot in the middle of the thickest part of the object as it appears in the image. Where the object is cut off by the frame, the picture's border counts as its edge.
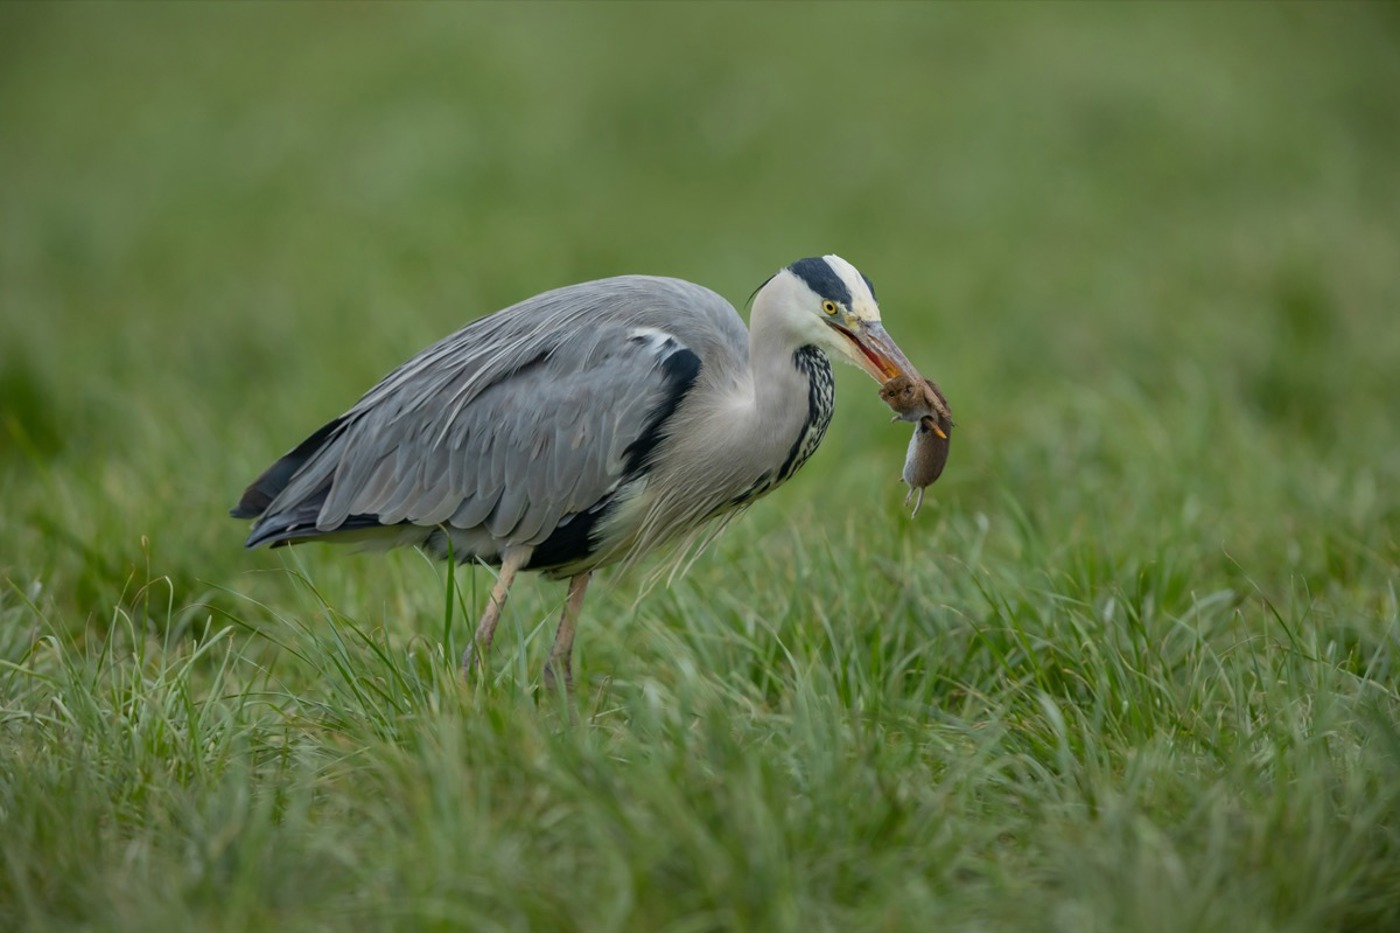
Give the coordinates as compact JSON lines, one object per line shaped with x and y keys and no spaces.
{"x":829,"y":306}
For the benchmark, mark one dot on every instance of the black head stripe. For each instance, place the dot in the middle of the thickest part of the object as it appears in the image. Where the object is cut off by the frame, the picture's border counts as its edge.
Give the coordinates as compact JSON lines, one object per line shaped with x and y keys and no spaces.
{"x":869,"y":284}
{"x":822,"y":279}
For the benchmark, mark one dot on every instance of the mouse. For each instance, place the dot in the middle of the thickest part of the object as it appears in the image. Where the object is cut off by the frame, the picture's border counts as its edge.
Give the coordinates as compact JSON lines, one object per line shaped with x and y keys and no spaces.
{"x":919,"y":400}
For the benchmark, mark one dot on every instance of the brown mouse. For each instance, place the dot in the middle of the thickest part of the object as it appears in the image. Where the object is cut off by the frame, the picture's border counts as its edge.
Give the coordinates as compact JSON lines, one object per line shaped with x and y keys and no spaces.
{"x":921,"y":401}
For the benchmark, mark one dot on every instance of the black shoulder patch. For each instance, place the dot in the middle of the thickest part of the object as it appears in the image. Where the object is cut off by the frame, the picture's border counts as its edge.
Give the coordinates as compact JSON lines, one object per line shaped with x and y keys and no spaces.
{"x":680,"y":370}
{"x":822,"y":279}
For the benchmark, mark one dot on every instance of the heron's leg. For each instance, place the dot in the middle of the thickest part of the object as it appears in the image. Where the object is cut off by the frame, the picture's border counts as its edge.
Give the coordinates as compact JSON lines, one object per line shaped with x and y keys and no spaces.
{"x":511,"y":562}
{"x":561,"y":655}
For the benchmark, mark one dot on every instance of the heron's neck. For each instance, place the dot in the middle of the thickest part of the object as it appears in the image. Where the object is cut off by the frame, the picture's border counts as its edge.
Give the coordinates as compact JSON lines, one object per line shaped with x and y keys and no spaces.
{"x":791,"y":403}
{"x":778,"y":385}
{"x":746,"y":435}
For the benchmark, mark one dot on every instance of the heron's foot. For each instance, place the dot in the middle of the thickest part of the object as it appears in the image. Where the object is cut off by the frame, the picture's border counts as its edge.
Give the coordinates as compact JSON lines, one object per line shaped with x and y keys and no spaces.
{"x":472,"y":663}
{"x":556,"y":669}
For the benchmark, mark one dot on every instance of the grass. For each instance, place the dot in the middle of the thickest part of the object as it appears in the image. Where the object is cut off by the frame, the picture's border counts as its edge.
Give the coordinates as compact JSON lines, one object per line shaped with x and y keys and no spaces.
{"x":1134,"y":667}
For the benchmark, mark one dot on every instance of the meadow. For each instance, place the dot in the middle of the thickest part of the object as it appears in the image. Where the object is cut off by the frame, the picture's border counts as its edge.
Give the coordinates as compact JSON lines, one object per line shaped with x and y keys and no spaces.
{"x":1135,"y":666}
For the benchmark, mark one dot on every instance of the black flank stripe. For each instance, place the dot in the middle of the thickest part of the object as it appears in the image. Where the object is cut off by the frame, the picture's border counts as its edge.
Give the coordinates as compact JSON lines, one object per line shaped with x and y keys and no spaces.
{"x":571,"y":541}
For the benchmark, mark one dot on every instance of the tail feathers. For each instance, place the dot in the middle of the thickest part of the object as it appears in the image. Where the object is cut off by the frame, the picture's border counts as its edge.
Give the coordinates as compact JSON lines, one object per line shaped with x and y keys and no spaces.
{"x":258,"y":496}
{"x":299,"y":524}
{"x":284,"y":527}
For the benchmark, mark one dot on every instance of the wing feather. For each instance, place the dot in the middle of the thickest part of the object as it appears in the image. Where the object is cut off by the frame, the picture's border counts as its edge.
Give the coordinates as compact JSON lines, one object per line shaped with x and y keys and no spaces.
{"x":546,"y":443}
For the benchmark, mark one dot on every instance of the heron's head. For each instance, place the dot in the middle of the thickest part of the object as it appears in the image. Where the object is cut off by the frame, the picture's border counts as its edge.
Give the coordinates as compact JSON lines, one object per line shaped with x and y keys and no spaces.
{"x":827,"y":303}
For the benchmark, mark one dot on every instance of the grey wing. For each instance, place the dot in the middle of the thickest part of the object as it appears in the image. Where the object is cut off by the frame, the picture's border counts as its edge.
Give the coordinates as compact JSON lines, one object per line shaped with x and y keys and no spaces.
{"x":462,"y":441}
{"x":548,"y":441}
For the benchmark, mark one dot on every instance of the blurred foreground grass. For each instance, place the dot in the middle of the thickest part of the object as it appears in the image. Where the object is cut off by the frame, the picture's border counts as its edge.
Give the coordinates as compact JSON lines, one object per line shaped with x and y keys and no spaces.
{"x":1133,"y":668}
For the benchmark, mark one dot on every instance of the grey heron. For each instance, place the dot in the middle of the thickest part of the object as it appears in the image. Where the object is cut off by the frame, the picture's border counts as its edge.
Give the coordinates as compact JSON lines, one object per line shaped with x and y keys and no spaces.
{"x":582,"y":427}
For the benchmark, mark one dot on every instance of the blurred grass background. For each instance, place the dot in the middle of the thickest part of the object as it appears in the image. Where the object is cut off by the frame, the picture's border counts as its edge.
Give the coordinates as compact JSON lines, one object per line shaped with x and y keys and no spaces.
{"x":1148,"y":252}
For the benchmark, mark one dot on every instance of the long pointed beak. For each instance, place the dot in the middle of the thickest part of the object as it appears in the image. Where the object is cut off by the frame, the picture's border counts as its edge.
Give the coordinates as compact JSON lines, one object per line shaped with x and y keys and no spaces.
{"x":878,"y":354}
